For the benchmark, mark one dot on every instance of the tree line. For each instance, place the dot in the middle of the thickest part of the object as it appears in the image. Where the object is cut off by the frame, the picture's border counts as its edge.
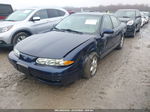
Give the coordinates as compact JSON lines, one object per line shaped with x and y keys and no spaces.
{"x":110,"y":8}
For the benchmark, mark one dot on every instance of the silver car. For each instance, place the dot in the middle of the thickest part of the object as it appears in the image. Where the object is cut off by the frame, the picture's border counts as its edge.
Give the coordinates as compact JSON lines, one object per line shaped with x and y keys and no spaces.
{"x":26,"y":22}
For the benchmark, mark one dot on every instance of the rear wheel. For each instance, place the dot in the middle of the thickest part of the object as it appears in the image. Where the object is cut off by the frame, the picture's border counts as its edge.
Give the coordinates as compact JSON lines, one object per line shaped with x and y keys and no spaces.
{"x":139,"y":29}
{"x":19,"y":37}
{"x":90,"y":66}
{"x":121,"y":43}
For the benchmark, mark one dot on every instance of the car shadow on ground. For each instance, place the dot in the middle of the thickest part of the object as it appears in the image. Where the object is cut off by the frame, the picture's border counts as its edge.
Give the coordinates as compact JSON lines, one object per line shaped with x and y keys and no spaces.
{"x":5,"y":50}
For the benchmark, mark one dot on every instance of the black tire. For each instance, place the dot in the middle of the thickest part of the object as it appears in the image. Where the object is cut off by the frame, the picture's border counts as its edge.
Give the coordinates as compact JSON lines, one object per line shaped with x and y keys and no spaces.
{"x":89,"y":63}
{"x":134,"y":33}
{"x":139,"y":29}
{"x":19,"y":36}
{"x":120,"y":46}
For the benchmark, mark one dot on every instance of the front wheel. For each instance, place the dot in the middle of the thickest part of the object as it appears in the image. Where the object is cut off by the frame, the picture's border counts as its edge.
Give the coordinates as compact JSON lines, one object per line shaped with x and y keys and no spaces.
{"x":90,"y":65}
{"x":19,"y":37}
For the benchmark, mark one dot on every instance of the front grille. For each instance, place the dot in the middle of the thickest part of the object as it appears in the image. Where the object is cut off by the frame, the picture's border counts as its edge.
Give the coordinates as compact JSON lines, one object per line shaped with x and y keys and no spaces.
{"x":2,"y":42}
{"x":27,"y":58}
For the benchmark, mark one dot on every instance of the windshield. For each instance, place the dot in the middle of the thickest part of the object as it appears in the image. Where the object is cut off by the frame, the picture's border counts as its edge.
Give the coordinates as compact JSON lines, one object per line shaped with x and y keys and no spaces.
{"x":19,"y":15}
{"x":146,"y":13}
{"x":125,"y":14}
{"x":80,"y":23}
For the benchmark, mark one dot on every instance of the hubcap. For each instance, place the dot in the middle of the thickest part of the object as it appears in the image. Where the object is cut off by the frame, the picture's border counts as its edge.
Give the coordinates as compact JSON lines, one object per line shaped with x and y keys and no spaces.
{"x":93,"y":67}
{"x":20,"y":38}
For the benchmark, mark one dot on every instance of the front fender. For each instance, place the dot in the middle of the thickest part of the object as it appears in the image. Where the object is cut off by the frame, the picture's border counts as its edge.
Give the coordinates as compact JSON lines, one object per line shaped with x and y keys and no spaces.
{"x":79,"y":54}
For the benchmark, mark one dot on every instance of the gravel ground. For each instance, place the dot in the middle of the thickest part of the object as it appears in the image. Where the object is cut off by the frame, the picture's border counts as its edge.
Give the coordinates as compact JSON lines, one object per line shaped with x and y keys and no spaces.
{"x":122,"y":82}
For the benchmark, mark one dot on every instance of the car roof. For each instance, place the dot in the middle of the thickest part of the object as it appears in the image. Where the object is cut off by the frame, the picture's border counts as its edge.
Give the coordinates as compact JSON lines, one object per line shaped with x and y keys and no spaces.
{"x":129,"y":9}
{"x":4,"y":4}
{"x":145,"y":11}
{"x":92,"y":13}
{"x":39,"y":8}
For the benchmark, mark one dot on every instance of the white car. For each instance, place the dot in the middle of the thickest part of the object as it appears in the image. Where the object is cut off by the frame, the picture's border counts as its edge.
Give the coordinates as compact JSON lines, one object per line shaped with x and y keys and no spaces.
{"x":25,"y":22}
{"x":145,"y":19}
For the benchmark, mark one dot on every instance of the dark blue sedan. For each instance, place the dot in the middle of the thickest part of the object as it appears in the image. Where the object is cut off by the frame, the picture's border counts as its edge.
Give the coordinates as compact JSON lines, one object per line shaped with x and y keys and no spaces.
{"x":71,"y":50}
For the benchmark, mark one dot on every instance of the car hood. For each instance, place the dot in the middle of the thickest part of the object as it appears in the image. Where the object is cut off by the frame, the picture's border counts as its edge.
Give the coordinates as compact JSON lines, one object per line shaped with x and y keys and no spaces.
{"x":53,"y":44}
{"x":7,"y":23}
{"x":125,"y":20}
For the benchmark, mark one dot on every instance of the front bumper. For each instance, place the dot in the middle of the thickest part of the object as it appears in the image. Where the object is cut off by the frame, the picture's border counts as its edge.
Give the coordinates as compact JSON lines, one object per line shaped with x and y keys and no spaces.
{"x":5,"y":39}
{"x":47,"y":74}
{"x":129,"y":30}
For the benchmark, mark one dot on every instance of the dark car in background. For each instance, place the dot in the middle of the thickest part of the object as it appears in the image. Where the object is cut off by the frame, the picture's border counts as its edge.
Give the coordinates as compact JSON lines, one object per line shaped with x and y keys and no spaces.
{"x":71,"y":50}
{"x":5,"y":10}
{"x":132,"y":18}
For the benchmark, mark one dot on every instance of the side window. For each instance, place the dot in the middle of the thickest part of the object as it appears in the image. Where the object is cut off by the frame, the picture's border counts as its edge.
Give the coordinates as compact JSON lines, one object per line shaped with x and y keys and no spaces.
{"x":52,"y":13}
{"x":42,"y":14}
{"x":115,"y":21}
{"x":107,"y":24}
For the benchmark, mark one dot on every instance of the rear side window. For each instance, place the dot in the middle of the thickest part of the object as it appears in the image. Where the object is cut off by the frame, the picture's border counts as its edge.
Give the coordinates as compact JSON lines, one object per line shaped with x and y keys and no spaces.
{"x":55,"y":13}
{"x":107,"y":24}
{"x":60,"y":13}
{"x":42,"y":14}
{"x":115,"y":21}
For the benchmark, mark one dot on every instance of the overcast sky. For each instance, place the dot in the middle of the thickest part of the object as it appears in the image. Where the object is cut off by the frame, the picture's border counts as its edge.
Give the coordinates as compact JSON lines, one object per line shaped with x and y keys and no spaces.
{"x":17,"y":4}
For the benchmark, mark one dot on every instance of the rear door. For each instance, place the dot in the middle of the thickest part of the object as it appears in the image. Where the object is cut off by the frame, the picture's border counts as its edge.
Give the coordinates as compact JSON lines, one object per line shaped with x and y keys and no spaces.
{"x":42,"y":25}
{"x":107,"y":38}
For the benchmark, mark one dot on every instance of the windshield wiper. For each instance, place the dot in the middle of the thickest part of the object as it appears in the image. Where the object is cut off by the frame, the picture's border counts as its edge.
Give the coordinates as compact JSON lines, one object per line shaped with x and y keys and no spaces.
{"x":57,"y":29}
{"x":126,"y":17}
{"x":70,"y":30}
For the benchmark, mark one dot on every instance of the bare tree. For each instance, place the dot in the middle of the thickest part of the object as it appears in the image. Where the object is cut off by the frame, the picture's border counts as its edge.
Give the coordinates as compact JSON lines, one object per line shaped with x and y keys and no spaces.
{"x":111,"y":8}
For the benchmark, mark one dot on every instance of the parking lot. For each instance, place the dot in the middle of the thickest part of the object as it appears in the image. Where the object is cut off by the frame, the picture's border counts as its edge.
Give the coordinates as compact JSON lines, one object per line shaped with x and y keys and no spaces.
{"x":122,"y":82}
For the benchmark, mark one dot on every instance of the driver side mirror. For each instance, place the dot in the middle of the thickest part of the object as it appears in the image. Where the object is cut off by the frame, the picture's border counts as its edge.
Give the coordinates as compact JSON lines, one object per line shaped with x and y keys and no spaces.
{"x":36,"y":19}
{"x":107,"y":31}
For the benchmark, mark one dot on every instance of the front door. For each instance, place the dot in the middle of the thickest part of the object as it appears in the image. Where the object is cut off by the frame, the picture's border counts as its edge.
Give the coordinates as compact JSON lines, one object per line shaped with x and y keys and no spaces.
{"x":42,"y":25}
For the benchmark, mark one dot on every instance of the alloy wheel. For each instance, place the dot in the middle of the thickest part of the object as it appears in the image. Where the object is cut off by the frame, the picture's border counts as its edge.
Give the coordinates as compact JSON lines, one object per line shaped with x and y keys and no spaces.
{"x":93,"y":67}
{"x":20,"y":38}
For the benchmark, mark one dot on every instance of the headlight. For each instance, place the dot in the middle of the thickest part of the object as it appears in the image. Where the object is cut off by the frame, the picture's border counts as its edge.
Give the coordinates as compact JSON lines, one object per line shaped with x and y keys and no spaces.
{"x":130,"y":22}
{"x":16,"y":52}
{"x":5,"y":29}
{"x":53,"y":62}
